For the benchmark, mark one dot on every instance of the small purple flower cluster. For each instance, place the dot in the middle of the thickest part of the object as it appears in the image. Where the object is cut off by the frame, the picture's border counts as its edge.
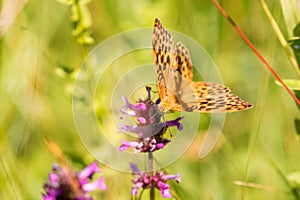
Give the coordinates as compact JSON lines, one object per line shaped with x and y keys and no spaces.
{"x":146,"y":181}
{"x":149,"y":128}
{"x":64,"y":183}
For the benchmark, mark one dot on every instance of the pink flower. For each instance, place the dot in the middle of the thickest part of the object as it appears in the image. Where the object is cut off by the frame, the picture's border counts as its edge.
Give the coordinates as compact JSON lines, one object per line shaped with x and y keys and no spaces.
{"x":146,"y":181}
{"x":64,"y":183}
{"x":148,"y":127}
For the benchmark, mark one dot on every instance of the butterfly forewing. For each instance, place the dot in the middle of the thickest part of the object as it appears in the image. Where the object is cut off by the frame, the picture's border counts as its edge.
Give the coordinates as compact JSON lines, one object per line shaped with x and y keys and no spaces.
{"x":162,"y":43}
{"x":177,"y":91}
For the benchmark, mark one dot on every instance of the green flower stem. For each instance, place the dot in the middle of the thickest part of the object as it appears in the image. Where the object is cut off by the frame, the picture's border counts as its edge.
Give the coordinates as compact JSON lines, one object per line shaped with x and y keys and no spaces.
{"x":150,"y":168}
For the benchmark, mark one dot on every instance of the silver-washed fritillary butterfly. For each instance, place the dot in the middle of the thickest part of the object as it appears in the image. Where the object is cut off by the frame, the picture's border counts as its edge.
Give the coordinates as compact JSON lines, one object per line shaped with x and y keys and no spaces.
{"x":177,"y":91}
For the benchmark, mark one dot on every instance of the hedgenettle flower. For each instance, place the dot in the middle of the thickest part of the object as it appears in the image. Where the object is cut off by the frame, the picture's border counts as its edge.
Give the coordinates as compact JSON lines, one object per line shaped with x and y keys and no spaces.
{"x":66,"y":184}
{"x":149,"y":128}
{"x":146,"y":181}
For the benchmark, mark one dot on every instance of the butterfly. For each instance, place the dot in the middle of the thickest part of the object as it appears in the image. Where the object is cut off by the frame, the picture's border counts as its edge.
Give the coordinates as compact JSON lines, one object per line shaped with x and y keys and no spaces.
{"x":177,"y":91}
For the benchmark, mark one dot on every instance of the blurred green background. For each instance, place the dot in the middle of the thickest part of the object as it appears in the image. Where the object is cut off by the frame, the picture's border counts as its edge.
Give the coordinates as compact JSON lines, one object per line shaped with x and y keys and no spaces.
{"x":39,"y":59}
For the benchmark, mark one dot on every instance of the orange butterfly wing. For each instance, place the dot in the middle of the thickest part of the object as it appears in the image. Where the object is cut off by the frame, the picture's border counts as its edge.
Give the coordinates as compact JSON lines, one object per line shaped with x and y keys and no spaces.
{"x":162,"y":43}
{"x":176,"y":89}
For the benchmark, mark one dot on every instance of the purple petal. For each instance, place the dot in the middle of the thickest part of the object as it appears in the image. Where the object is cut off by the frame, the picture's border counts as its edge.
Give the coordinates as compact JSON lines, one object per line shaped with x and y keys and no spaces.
{"x":127,"y":104}
{"x":128,"y":108}
{"x":56,"y":167}
{"x":128,"y":112}
{"x":53,"y":192}
{"x":88,"y":171}
{"x":98,"y":184}
{"x":54,"y":179}
{"x":141,"y":106}
{"x":166,"y":193}
{"x":136,"y":187}
{"x":125,"y":145}
{"x":175,"y":122}
{"x":134,"y":168}
{"x":84,"y":197}
{"x":134,"y":191}
{"x":160,"y":145}
{"x":124,"y":128}
{"x":49,"y":197}
{"x":176,"y":177}
{"x":142,"y":120}
{"x":164,"y":189}
{"x":125,"y":100}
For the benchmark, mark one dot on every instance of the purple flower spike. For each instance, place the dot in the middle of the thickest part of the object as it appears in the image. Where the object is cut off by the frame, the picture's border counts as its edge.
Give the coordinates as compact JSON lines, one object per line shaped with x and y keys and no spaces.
{"x":148,"y":127}
{"x":146,"y":181}
{"x":64,"y":183}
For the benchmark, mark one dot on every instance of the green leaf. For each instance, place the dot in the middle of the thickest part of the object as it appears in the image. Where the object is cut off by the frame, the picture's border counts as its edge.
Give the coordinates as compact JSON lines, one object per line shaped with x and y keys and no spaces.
{"x":293,"y":84}
{"x":297,"y":94}
{"x":297,"y":30}
{"x":290,"y":14}
{"x":297,"y":125}
{"x":295,"y":44}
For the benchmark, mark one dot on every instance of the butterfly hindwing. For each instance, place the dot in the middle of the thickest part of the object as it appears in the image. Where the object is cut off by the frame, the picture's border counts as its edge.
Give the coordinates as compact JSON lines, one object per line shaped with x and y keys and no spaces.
{"x":182,"y":62}
{"x":213,"y":97}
